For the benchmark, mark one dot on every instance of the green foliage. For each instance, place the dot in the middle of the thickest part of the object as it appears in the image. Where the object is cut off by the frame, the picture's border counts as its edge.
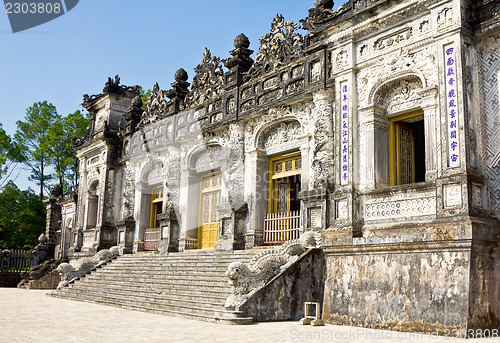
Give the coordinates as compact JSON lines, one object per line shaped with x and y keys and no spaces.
{"x":61,"y":156}
{"x":44,"y":140}
{"x":7,"y":152}
{"x":22,"y":218}
{"x":32,"y":141}
{"x":144,"y":97}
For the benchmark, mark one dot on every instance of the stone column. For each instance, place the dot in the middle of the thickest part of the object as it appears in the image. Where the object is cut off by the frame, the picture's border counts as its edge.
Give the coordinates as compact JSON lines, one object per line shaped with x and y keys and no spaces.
{"x":321,"y":159}
{"x":53,"y":223}
{"x":138,"y":244}
{"x":188,"y":205}
{"x":429,"y":106}
{"x":256,"y":183}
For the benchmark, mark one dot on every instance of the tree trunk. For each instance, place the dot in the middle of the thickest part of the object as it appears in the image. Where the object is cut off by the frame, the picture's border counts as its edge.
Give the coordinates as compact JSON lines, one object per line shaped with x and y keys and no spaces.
{"x":41,"y":181}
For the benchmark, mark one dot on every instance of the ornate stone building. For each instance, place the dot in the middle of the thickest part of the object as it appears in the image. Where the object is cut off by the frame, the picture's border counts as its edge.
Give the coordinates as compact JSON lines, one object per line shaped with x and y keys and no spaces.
{"x":379,"y":128}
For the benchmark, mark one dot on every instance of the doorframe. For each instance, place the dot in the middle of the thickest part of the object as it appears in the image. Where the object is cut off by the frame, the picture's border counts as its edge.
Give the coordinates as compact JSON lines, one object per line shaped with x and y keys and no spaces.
{"x":273,"y":175}
{"x":200,"y":203}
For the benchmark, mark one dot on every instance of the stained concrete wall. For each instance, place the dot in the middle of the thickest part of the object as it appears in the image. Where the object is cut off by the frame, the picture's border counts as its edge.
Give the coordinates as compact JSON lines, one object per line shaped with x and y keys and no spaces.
{"x":284,"y":296}
{"x":402,"y":287}
{"x":484,"y":296}
{"x":9,"y":279}
{"x":49,"y":281}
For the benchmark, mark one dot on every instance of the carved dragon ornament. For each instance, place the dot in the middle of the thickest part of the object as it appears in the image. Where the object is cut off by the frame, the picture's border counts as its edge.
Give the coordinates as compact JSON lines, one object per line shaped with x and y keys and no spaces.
{"x":247,"y":279}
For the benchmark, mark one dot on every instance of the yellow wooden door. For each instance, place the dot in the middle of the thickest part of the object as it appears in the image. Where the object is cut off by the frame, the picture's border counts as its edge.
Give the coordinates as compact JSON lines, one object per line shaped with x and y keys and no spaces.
{"x":208,"y":231}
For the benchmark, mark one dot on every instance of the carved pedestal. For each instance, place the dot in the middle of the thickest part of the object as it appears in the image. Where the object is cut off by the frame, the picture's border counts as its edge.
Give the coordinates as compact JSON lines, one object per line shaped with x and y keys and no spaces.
{"x":169,"y":231}
{"x":125,"y":236}
{"x":314,"y":209}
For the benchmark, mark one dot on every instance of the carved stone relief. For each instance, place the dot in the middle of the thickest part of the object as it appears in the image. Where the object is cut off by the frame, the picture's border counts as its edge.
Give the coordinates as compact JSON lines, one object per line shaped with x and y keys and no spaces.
{"x":281,"y":137}
{"x":399,"y":95}
{"x":155,"y":106}
{"x":322,"y":129}
{"x":277,"y":48}
{"x":207,"y":82}
{"x":489,"y":52}
{"x":402,"y":208}
{"x":422,"y":63}
{"x":253,"y":128}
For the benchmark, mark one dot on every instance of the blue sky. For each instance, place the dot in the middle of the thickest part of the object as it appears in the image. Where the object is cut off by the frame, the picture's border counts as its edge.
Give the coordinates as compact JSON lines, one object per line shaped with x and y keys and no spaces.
{"x":142,"y":41}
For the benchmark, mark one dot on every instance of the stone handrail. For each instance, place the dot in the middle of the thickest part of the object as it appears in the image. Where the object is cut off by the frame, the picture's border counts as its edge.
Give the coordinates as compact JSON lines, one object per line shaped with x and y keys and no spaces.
{"x":72,"y":271}
{"x":246,"y":279}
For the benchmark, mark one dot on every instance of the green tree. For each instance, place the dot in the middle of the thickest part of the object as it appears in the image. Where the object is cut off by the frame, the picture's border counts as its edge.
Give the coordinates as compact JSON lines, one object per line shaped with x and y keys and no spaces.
{"x":31,"y":140}
{"x":22,"y":218}
{"x":7,"y":153}
{"x":144,"y":97}
{"x":61,"y":156}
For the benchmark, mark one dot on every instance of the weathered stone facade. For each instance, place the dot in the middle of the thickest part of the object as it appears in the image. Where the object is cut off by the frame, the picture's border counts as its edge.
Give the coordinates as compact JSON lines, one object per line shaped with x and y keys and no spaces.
{"x":391,"y":109}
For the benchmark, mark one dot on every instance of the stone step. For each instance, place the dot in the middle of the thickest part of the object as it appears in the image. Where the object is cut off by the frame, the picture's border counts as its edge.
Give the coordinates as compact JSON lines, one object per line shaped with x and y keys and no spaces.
{"x":185,"y":308}
{"x":143,"y":308}
{"x":183,"y":262}
{"x":174,"y":275}
{"x":164,"y":270}
{"x":175,"y":287}
{"x":191,"y":285}
{"x":154,"y":298}
{"x":213,"y":294}
{"x":159,"y":283}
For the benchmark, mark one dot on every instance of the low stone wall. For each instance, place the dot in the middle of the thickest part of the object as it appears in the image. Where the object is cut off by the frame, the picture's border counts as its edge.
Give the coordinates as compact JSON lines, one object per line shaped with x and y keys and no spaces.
{"x":49,"y":281}
{"x":9,"y":279}
{"x":284,"y":296}
{"x":445,"y":284}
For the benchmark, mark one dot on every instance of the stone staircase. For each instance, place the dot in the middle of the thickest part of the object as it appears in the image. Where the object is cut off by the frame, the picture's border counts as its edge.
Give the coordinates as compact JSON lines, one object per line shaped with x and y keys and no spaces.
{"x":191,"y":284}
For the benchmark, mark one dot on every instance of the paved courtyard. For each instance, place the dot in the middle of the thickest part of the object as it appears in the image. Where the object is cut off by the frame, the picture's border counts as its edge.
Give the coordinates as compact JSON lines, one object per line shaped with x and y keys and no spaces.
{"x":31,"y":316}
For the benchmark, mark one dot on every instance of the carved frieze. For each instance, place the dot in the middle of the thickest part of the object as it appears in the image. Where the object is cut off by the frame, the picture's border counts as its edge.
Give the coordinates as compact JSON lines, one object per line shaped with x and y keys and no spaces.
{"x":393,"y":39}
{"x":399,"y":95}
{"x":387,"y":66}
{"x":282,"y":137}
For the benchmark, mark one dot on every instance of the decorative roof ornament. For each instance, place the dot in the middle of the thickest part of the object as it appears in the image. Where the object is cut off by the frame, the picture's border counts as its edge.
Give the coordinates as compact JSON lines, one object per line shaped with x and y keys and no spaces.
{"x":155,"y":106}
{"x":239,"y":63}
{"x":112,"y":86}
{"x":323,"y":12}
{"x":208,"y":80}
{"x":277,"y":48}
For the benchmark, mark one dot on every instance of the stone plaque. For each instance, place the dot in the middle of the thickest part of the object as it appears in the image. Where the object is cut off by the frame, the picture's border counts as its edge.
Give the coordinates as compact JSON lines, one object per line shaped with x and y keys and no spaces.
{"x":341,"y":209}
{"x":314,"y":217}
{"x":452,"y":196}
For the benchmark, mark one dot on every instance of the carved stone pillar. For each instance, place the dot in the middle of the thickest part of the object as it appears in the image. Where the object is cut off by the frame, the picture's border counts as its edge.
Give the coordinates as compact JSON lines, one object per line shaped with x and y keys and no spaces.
{"x":125,"y":237}
{"x":256,"y":172}
{"x":429,"y":106}
{"x":53,"y":223}
{"x":321,"y":158}
{"x":188,"y":205}
{"x":139,"y":214}
{"x":376,"y":154}
{"x":169,"y":227}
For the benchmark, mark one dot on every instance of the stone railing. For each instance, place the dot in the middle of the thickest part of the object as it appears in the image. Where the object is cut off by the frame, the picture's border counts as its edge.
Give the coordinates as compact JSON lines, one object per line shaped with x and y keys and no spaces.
{"x":247,"y":279}
{"x":74,"y":270}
